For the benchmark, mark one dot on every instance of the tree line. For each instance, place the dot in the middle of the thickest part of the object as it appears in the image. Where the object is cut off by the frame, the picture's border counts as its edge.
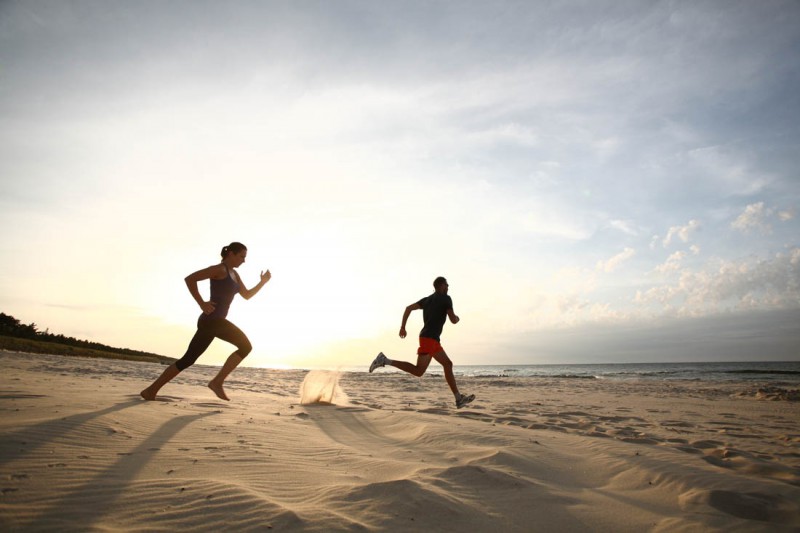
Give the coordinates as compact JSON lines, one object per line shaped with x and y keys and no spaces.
{"x":11,"y":327}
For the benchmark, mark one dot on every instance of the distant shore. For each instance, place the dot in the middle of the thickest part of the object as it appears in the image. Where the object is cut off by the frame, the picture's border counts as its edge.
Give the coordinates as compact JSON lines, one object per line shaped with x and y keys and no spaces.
{"x":15,"y":344}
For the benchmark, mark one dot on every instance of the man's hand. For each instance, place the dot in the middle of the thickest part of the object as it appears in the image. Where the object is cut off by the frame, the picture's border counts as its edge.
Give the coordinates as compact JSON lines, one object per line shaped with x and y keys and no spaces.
{"x":406,"y":313}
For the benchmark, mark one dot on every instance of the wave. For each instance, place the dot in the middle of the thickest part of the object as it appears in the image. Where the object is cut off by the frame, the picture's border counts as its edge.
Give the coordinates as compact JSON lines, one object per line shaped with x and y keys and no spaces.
{"x":787,"y":373}
{"x":757,"y":371}
{"x":533,"y":375}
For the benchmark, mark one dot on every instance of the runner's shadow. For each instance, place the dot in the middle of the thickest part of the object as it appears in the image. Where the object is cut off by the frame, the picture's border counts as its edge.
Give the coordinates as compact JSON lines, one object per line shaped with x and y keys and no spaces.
{"x":217,"y":405}
{"x":16,"y":445}
{"x":348,"y":426}
{"x":160,"y":398}
{"x":17,"y":395}
{"x":83,"y":506}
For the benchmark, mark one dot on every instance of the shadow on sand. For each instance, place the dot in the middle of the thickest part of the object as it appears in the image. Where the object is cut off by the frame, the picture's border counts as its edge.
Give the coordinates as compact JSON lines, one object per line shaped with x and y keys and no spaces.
{"x":83,"y":506}
{"x":16,"y":445}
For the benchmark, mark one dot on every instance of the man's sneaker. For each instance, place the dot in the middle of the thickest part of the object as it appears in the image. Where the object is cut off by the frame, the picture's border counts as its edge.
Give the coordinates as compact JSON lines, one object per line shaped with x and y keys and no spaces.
{"x":464,"y":400}
{"x":378,"y":362}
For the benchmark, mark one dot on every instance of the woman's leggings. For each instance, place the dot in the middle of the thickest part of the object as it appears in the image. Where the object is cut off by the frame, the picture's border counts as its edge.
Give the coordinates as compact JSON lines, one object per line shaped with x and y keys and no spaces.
{"x":209,"y":329}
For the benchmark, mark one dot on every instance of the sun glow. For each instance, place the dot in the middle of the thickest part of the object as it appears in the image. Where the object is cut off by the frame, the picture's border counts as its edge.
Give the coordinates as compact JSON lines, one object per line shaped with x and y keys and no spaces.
{"x":316,"y":298}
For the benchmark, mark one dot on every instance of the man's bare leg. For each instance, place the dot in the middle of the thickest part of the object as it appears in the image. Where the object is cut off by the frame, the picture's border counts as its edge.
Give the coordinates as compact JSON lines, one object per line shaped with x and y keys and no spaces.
{"x":416,"y":370}
{"x":216,"y":384}
{"x":447,"y":365}
{"x":166,"y":376}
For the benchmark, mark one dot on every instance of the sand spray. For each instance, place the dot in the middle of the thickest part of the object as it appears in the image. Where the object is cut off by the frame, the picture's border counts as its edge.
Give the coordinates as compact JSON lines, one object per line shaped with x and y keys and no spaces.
{"x":322,"y":386}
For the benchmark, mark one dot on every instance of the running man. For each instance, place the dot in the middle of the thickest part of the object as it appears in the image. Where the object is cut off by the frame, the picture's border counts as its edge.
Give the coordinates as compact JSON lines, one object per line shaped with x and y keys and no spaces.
{"x":436,"y":308}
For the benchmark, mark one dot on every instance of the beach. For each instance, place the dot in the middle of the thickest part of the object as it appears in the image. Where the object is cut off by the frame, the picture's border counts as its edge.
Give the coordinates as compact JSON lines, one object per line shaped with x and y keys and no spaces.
{"x":350,"y":451}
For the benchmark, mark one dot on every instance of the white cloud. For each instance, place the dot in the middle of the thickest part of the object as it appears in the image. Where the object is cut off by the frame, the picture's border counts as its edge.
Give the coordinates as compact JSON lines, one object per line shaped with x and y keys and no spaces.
{"x":786,"y":215}
{"x":730,"y":284}
{"x":625,"y":226}
{"x":681,"y":232}
{"x":758,"y":217}
{"x":612,"y":264}
{"x":794,"y":257}
{"x":672,"y":264}
{"x":754,"y":217}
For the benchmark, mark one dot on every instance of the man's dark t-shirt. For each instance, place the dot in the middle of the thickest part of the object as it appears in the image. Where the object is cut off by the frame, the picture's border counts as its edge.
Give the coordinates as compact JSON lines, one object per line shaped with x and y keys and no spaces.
{"x":434,"y":314}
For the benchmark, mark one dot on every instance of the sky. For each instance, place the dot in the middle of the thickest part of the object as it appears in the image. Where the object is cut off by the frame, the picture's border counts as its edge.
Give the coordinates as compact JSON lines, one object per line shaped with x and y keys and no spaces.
{"x":605,"y":181}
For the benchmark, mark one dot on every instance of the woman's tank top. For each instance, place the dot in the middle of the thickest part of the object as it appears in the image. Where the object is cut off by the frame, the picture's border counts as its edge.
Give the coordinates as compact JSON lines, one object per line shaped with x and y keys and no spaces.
{"x":222,"y":293}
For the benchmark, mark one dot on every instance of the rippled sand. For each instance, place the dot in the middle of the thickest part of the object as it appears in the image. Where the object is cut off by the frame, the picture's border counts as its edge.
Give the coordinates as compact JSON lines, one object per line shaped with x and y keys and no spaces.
{"x":81,"y":451}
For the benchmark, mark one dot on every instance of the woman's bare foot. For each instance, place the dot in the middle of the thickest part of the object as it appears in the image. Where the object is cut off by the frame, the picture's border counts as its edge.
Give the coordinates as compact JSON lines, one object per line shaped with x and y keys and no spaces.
{"x":147,"y":395}
{"x":218,"y":390}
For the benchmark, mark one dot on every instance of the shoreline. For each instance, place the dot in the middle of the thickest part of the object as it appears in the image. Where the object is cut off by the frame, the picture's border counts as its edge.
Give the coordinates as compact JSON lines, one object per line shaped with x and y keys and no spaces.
{"x":508,"y":370}
{"x":81,"y":451}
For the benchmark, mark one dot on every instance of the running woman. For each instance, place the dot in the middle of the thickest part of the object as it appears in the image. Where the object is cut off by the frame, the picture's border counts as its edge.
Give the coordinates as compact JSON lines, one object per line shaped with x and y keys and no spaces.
{"x":436,"y":308}
{"x":225,"y":284}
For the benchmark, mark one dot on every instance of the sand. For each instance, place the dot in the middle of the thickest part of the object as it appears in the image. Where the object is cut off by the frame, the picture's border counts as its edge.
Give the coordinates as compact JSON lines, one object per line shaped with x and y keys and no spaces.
{"x":81,"y":451}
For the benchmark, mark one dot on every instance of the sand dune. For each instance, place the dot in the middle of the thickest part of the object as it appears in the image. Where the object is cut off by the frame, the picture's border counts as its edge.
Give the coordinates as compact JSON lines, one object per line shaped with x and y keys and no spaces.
{"x":81,"y":451}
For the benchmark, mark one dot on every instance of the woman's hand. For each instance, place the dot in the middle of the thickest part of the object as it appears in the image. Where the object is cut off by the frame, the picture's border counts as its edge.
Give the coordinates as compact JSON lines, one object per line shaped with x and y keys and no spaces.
{"x":208,"y":307}
{"x":265,"y":276}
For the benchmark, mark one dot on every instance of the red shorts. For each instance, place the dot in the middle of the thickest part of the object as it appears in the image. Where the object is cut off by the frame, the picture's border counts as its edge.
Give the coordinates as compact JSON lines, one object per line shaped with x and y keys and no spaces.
{"x":428,"y":346}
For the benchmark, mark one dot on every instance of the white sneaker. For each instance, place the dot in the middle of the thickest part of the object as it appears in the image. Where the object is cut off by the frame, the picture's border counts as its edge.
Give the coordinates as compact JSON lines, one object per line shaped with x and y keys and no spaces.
{"x":378,"y":362}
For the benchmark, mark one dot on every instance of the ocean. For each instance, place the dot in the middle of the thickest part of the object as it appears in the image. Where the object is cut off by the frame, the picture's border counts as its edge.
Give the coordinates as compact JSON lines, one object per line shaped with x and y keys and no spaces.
{"x":786,"y":373}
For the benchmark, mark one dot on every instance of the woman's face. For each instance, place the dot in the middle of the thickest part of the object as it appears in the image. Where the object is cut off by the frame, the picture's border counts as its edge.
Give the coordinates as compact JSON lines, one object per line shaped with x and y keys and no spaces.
{"x":239,"y":259}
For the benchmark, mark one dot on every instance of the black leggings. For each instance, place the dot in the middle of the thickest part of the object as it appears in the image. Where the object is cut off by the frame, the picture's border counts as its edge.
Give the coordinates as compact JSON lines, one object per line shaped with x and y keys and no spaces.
{"x":209,"y":329}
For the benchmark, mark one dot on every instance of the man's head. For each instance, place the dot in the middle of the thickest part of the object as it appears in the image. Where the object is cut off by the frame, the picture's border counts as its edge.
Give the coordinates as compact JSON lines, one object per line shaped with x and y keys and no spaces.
{"x":440,"y":284}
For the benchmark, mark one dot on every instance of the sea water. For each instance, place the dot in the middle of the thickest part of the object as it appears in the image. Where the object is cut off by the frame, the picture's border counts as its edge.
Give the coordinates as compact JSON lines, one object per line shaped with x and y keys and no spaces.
{"x":787,"y":372}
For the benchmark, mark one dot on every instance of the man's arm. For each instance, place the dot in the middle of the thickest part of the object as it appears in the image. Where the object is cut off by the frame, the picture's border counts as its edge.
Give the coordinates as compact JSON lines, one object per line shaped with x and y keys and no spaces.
{"x":406,"y":313}
{"x":453,"y":317}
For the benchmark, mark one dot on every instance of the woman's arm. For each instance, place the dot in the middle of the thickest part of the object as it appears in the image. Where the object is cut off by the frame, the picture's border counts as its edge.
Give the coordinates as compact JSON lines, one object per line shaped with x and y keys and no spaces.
{"x":215,"y":272}
{"x":249,"y":293}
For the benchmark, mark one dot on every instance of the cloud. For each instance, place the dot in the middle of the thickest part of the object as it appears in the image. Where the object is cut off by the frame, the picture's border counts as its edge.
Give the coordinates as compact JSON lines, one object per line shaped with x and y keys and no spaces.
{"x":722,"y":285}
{"x":672,"y":264}
{"x":754,"y":217}
{"x":625,"y":226}
{"x":612,"y":264}
{"x":786,"y":215}
{"x":681,"y":232}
